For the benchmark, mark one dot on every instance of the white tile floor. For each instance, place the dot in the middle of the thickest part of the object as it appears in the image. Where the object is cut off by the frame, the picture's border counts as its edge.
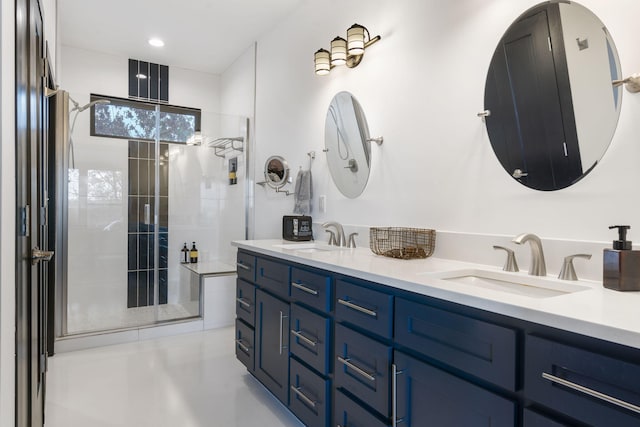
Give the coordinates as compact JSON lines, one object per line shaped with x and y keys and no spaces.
{"x":190,"y":380}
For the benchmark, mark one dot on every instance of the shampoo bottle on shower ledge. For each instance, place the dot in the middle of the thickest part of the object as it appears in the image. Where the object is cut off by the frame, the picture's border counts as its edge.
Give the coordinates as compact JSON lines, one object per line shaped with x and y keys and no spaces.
{"x":193,"y":254}
{"x":184,"y":254}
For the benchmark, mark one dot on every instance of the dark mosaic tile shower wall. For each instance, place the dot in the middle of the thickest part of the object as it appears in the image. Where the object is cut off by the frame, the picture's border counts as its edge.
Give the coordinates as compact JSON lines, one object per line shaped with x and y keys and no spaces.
{"x":140,"y":290}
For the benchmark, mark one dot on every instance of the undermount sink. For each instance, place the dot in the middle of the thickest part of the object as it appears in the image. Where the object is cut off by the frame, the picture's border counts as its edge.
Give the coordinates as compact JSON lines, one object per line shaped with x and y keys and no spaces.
{"x":513,"y":283}
{"x":308,"y":247}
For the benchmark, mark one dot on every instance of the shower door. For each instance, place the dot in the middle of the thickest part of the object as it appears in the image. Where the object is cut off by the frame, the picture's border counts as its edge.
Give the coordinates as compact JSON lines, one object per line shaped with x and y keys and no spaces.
{"x":134,"y":199}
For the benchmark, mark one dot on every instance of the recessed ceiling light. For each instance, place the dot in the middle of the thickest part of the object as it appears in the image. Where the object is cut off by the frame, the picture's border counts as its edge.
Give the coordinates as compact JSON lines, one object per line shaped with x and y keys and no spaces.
{"x":156,"y":42}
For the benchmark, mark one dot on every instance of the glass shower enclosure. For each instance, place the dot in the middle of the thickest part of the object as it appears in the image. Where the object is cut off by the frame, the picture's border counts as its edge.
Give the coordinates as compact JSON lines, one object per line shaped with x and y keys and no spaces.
{"x":142,"y":181}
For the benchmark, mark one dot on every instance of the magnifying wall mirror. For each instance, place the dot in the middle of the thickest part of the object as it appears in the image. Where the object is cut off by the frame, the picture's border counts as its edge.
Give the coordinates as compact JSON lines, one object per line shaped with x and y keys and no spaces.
{"x":276,"y":172}
{"x":346,"y":139}
{"x":552,"y":108}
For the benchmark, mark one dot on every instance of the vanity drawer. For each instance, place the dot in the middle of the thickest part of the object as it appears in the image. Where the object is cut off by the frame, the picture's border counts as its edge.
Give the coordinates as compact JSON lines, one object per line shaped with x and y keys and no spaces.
{"x":365,"y":308}
{"x":308,"y":340}
{"x":590,"y":387}
{"x":273,"y":276}
{"x":244,"y":344}
{"x":313,"y":289}
{"x":245,"y":301}
{"x":348,"y":413}
{"x":479,"y":348}
{"x":362,"y":367}
{"x":309,"y":395}
{"x":246,"y":266}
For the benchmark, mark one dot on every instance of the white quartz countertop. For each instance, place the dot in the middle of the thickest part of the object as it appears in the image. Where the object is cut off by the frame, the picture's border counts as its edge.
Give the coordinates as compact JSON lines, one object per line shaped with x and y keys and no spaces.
{"x":211,"y":268}
{"x":597,"y":312}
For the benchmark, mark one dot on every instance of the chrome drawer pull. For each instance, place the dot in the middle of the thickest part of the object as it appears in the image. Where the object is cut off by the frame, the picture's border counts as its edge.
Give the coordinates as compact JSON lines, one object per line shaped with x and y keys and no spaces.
{"x":394,"y":395}
{"x":357,"y":307}
{"x":282,"y":317}
{"x":592,"y":393}
{"x":242,"y":266}
{"x":243,"y":302}
{"x":303,"y":338}
{"x":304,"y":288}
{"x":302,"y":396}
{"x":242,"y":346}
{"x":348,"y":364}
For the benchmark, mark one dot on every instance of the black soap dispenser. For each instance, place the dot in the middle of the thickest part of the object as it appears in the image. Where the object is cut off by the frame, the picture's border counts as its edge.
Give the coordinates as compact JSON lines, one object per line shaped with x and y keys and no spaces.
{"x":621,"y":269}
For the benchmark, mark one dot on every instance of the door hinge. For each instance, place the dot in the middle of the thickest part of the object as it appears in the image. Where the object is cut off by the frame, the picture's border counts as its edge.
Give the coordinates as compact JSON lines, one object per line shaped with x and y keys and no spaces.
{"x":549,"y":40}
{"x":43,"y":216}
{"x":24,"y":221}
{"x":43,"y":67}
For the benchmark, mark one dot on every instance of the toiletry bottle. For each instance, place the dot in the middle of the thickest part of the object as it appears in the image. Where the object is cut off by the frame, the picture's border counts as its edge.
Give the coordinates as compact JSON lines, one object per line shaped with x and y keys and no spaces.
{"x":621,"y":269}
{"x":193,"y":254}
{"x":184,"y":254}
{"x":233,"y":179}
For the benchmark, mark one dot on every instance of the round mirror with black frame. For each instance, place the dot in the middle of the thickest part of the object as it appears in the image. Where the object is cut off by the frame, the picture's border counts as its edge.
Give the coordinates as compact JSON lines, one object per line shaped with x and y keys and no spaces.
{"x":346,"y":138}
{"x":551,"y":106}
{"x":276,"y":172}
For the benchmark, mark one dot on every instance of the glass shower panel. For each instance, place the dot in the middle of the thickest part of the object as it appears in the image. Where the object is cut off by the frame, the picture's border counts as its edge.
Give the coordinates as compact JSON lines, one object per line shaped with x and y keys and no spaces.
{"x":132,"y":205}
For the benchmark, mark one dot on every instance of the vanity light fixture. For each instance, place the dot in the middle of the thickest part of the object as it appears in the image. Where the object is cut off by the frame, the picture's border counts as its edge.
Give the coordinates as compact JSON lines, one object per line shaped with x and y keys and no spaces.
{"x":347,"y":52}
{"x":632,"y":83}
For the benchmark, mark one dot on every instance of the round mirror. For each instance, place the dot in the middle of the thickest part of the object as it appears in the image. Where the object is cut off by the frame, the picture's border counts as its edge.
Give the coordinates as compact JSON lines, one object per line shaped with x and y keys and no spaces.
{"x":276,"y":172}
{"x":551,"y":106}
{"x":346,"y":139}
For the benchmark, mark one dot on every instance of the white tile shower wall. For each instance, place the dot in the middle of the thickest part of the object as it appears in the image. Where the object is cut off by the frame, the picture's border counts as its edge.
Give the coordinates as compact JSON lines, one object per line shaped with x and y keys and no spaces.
{"x":421,"y":87}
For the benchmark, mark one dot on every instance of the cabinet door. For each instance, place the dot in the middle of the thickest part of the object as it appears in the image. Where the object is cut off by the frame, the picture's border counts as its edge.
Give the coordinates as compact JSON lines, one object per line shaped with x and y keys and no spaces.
{"x":309,"y":338}
{"x":245,"y":301}
{"x":590,"y":387}
{"x":364,"y":308}
{"x":427,"y":396}
{"x":273,"y":276}
{"x":272,"y":342}
{"x":244,"y":344}
{"x":362,"y":367}
{"x":533,"y":419}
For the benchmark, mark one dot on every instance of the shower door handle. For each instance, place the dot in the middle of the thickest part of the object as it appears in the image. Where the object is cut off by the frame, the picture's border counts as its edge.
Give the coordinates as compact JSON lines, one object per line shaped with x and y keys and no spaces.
{"x":38,"y":255}
{"x":147,"y":214}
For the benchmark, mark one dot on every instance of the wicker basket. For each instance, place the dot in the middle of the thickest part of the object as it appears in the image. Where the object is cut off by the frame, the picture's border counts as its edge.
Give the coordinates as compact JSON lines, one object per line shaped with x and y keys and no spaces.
{"x":401,"y":242}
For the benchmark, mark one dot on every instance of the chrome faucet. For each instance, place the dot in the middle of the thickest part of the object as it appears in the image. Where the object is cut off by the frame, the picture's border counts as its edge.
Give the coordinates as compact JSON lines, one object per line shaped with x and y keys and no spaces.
{"x":340,"y":238}
{"x":538,"y":266}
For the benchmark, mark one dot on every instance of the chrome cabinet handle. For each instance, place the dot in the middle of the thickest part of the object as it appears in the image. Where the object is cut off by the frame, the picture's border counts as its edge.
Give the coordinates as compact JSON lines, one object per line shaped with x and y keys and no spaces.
{"x":304,"y":288}
{"x":242,"y":346}
{"x":394,"y":395}
{"x":243,"y":302}
{"x":282,"y":317}
{"x":242,"y":266}
{"x":302,"y":396}
{"x":357,"y":307}
{"x":303,"y":338}
{"x":592,"y":393}
{"x":347,"y":362}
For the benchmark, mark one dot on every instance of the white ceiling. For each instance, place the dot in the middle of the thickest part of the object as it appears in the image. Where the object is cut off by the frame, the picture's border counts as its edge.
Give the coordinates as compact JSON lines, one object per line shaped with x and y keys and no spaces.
{"x":203,"y":35}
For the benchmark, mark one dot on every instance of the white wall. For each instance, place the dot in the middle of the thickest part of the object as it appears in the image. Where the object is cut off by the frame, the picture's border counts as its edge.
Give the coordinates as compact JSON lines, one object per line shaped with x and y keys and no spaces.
{"x":7,"y":214}
{"x":421,"y":87}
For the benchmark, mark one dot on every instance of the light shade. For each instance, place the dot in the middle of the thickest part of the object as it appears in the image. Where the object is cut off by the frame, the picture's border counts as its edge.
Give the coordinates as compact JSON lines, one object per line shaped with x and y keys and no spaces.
{"x":338,"y":51}
{"x":322,"y":60}
{"x":357,"y":36}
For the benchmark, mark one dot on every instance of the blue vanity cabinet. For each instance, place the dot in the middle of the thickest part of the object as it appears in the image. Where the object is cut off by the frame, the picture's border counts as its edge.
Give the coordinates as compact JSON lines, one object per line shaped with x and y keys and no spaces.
{"x":272,"y":344}
{"x":534,"y":419}
{"x":309,"y":395}
{"x":245,"y":309}
{"x":591,"y":387}
{"x":364,"y":308}
{"x":310,"y":338}
{"x":479,"y":348}
{"x":426,"y":395}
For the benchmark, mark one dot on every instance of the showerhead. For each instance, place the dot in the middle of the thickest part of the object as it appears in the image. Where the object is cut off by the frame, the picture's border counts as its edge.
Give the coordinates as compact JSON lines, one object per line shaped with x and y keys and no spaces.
{"x":89,"y":105}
